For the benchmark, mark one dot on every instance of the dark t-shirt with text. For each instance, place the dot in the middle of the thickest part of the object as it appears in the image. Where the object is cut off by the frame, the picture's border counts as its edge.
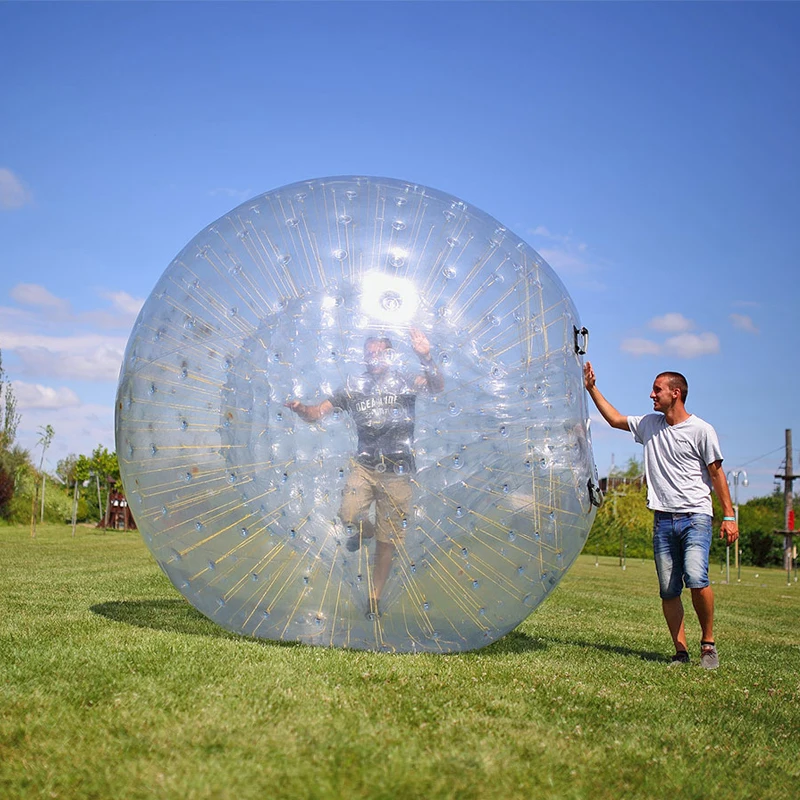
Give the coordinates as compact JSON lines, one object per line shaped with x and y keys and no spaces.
{"x":383,"y":410}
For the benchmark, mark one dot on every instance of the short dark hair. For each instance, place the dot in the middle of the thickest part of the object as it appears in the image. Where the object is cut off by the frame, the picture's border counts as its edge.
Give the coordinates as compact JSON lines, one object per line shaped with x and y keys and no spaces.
{"x":676,"y":381}
{"x":384,"y":340}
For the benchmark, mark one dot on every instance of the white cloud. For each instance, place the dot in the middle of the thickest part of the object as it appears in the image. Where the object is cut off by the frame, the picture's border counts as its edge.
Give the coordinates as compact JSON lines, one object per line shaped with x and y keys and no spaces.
{"x":692,"y":345}
{"x":76,"y":358}
{"x":673,"y":322}
{"x":563,"y":260}
{"x":567,"y":256}
{"x":108,"y":320}
{"x":743,"y":323}
{"x":124,"y":302}
{"x":125,"y":309}
{"x":46,"y":310}
{"x":13,"y":193}
{"x":51,"y":347}
{"x":18,"y":319}
{"x":89,"y":356}
{"x":35,"y":395}
{"x":62,"y":345}
{"x":50,"y":341}
{"x":640,"y":347}
{"x":562,"y":238}
{"x":32,"y":294}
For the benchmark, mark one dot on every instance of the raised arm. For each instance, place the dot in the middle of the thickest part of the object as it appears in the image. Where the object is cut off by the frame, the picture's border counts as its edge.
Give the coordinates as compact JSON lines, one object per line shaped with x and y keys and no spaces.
{"x":310,"y":413}
{"x":729,"y":530}
{"x":609,"y":413}
{"x":422,"y":347}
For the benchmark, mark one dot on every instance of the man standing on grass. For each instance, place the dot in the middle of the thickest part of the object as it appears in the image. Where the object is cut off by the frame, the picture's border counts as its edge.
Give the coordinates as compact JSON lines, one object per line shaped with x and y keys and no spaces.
{"x":682,"y":463}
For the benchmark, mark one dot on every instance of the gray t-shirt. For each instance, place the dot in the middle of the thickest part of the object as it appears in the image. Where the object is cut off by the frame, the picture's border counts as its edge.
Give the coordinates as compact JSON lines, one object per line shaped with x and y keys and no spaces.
{"x":676,"y":459}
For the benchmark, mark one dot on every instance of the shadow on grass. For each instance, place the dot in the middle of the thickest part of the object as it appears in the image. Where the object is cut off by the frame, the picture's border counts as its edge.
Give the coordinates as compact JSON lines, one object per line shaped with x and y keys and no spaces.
{"x":173,"y":615}
{"x":165,"y":614}
{"x":645,"y":655}
{"x":513,"y":642}
{"x":520,"y":642}
{"x":177,"y":616}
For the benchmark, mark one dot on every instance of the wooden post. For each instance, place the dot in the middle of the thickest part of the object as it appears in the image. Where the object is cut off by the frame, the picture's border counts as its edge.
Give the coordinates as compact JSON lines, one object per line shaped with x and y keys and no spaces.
{"x":34,"y":498}
{"x":108,"y":505}
{"x":75,"y":507}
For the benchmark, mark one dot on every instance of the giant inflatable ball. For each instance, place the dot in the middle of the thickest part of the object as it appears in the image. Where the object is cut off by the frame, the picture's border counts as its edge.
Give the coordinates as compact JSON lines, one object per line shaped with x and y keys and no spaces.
{"x":351,"y":414}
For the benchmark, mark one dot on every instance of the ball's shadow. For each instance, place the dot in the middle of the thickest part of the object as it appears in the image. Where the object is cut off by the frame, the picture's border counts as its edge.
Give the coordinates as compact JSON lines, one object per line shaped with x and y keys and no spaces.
{"x":165,"y":614}
{"x":177,"y":616}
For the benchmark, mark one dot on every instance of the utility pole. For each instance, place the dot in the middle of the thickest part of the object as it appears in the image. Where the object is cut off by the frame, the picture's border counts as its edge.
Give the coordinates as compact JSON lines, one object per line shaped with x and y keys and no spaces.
{"x":788,"y":519}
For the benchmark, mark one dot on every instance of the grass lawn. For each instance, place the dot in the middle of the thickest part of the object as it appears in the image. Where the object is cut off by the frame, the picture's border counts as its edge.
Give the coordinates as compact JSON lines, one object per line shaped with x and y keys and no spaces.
{"x":111,"y":686}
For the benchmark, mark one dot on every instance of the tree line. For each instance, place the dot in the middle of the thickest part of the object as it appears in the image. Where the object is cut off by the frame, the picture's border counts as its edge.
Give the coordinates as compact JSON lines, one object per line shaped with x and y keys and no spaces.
{"x":29,"y":494}
{"x":624,"y":525}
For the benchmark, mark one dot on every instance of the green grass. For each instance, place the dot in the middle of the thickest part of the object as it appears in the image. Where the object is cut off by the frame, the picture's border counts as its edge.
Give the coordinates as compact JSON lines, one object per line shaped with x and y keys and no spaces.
{"x":111,"y":686}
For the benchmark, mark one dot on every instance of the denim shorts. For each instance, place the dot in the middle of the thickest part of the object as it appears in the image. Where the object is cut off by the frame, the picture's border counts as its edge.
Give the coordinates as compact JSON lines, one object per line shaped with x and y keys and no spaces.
{"x":681,"y":543}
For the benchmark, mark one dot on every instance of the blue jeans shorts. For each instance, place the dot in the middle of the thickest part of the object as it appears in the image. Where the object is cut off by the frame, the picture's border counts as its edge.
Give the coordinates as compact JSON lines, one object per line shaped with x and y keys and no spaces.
{"x":681,"y":543}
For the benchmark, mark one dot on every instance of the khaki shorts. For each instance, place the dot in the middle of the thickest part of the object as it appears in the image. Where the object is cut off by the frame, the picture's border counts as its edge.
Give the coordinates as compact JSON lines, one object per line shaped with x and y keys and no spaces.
{"x":391,"y":494}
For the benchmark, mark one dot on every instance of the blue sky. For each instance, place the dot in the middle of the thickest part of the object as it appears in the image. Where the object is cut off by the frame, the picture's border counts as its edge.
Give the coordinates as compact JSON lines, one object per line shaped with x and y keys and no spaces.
{"x":648,"y":151}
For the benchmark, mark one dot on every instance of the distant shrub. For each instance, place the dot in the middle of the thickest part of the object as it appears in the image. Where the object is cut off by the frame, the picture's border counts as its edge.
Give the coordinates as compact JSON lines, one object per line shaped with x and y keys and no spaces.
{"x":57,"y":505}
{"x":6,"y":491}
{"x":623,"y":523}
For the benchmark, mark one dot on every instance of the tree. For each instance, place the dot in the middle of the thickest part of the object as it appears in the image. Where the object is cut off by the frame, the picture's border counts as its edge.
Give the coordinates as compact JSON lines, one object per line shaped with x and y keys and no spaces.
{"x":9,"y":419}
{"x":758,"y":518}
{"x":66,"y":469}
{"x":46,"y":434}
{"x":633,"y":469}
{"x":623,"y":525}
{"x":6,"y":490}
{"x":15,"y":464}
{"x":101,"y":469}
{"x":106,"y":464}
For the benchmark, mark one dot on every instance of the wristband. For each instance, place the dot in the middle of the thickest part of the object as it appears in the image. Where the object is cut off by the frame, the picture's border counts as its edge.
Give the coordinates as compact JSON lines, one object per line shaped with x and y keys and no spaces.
{"x":729,"y":519}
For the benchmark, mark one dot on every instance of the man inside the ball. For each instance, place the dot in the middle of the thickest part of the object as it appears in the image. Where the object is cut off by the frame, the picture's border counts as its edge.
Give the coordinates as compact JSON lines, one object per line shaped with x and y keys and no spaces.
{"x":381,"y":402}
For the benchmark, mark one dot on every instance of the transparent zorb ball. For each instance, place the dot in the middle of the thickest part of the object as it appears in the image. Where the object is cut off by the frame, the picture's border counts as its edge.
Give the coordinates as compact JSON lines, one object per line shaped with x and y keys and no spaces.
{"x":484,"y":436}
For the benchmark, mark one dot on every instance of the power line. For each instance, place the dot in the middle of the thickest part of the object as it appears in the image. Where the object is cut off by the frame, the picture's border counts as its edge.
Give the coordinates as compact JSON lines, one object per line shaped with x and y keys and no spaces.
{"x":758,"y":458}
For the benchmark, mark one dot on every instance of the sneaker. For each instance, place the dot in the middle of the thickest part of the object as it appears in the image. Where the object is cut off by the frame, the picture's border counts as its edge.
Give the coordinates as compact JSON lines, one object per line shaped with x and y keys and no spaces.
{"x":355,"y":541}
{"x":709,"y":658}
{"x":680,"y":658}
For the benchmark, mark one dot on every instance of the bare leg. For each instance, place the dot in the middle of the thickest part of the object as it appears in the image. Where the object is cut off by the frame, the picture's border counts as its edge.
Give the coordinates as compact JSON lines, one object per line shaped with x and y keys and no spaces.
{"x":673,"y":614}
{"x":703,"y":602}
{"x":384,"y":552}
